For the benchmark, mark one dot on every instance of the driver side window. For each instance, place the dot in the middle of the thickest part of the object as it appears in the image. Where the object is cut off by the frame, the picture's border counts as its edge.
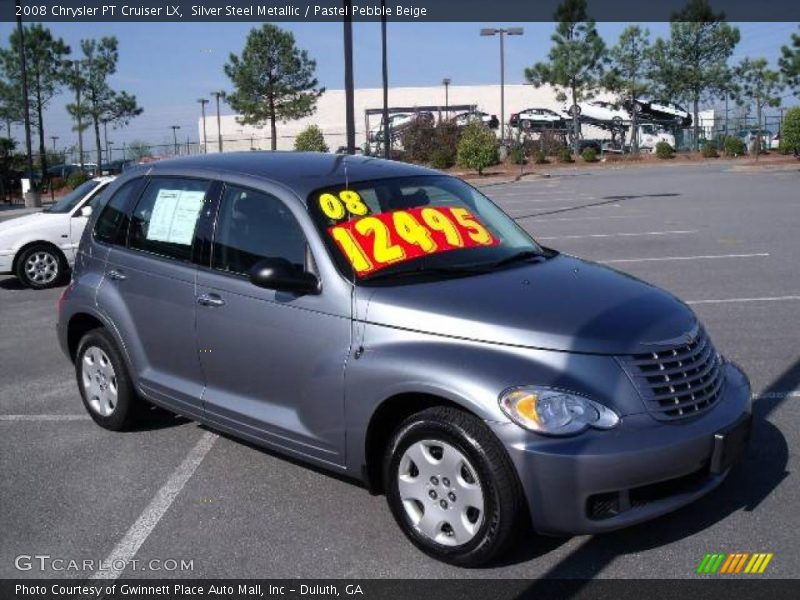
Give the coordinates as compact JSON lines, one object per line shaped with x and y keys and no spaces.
{"x":252,"y":226}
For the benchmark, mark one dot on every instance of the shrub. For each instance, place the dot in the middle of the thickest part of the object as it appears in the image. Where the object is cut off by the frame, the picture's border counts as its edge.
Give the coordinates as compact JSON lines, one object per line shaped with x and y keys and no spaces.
{"x":550,"y":143}
{"x":540,"y":158}
{"x":417,"y":139}
{"x":442,"y":157}
{"x":517,"y":154}
{"x":310,"y":140}
{"x":76,"y":178}
{"x":790,"y":132}
{"x":565,"y":155}
{"x":710,"y":150}
{"x":734,"y":146}
{"x":477,"y":148}
{"x":664,"y":150}
{"x":589,"y":155}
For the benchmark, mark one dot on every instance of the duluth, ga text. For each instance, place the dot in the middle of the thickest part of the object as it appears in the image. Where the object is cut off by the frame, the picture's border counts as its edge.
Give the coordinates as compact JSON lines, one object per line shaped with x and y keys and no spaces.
{"x":191,"y":589}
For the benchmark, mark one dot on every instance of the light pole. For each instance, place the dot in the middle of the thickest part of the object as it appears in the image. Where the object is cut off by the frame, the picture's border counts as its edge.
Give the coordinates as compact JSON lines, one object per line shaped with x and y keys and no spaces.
{"x":502,"y":32}
{"x":446,"y":83}
{"x":203,"y":102}
{"x":387,"y":144}
{"x":54,"y":138}
{"x":108,"y":151}
{"x":175,"y":137}
{"x":349,"y":108}
{"x":218,"y":95}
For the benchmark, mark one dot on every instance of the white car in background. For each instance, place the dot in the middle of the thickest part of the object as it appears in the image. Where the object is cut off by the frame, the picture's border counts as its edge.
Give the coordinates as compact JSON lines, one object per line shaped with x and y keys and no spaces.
{"x":538,"y":118}
{"x":598,"y":111}
{"x":40,"y":248}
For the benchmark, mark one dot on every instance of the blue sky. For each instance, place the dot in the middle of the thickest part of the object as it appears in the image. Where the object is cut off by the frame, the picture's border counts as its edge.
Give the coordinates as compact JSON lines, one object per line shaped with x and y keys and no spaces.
{"x":168,"y":66}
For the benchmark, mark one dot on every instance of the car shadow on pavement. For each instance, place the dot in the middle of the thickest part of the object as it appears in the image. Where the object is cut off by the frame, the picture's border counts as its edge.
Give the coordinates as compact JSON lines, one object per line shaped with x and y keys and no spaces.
{"x":762,"y":470}
{"x":12,"y":284}
{"x":156,"y":418}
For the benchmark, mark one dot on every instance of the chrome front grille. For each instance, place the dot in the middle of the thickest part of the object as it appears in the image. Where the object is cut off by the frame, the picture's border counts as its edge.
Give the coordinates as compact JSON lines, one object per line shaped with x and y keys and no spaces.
{"x":679,"y":381}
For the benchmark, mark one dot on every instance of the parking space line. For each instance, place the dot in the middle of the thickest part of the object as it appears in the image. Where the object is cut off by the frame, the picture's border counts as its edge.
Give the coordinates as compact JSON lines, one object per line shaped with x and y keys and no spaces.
{"x":559,"y":219}
{"x":129,"y":545}
{"x":731,"y":300}
{"x":699,"y":257}
{"x":44,"y":417}
{"x":611,"y":235}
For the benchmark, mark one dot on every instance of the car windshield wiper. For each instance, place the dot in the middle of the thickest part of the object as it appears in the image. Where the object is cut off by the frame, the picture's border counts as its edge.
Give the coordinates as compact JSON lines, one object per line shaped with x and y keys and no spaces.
{"x":522,"y":256}
{"x":452,"y":271}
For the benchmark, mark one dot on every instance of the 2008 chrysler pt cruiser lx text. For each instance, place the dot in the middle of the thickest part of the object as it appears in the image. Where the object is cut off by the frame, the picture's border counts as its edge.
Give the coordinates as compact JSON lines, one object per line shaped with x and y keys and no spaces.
{"x":390,"y":323}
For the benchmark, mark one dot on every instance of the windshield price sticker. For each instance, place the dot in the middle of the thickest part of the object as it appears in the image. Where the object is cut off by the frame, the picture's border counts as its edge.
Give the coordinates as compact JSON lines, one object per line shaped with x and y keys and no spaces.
{"x":374,"y":242}
{"x":345,"y":204}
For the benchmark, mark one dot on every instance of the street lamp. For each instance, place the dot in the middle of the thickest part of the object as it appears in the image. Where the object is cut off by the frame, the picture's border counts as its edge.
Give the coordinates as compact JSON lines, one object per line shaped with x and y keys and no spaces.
{"x":203,"y":102}
{"x":54,"y":138}
{"x":175,"y":137}
{"x":218,"y":95}
{"x":502,"y":32}
{"x":446,"y":83}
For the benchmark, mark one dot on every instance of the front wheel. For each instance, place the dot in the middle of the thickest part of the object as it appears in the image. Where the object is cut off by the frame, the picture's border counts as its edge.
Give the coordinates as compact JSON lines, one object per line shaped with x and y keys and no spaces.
{"x":451,"y":487}
{"x":41,"y":266}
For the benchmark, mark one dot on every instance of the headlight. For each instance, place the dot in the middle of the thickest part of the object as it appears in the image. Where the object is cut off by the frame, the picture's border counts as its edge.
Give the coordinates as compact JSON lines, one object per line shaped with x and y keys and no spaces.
{"x":554,"y":412}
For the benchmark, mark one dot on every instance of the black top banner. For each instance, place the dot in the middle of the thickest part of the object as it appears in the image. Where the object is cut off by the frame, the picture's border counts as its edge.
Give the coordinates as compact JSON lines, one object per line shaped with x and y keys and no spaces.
{"x":371,"y":10}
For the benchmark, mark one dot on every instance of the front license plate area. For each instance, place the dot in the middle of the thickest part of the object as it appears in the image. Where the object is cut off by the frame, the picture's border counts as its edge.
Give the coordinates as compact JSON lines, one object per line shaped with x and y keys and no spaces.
{"x":730,"y":444}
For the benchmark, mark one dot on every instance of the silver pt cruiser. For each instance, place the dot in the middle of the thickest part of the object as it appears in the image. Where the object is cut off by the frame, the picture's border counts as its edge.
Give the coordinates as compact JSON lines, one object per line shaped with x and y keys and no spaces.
{"x":390,"y":323}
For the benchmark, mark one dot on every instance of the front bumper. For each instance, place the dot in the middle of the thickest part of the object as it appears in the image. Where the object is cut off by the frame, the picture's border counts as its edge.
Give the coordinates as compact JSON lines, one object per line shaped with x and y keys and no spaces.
{"x":6,"y":261}
{"x":603,"y":480}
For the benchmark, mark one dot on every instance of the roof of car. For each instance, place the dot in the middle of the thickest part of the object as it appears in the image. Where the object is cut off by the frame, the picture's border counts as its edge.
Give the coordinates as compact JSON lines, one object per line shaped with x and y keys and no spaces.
{"x":301,"y":171}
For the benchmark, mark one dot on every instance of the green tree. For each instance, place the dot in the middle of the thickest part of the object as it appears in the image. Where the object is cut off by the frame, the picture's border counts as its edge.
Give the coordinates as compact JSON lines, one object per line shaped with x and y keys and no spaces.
{"x":10,"y":104}
{"x":273,"y":80}
{"x":310,"y":140}
{"x":102,"y":104}
{"x":789,"y":63}
{"x":7,"y":147}
{"x":576,"y":60}
{"x":76,"y":81}
{"x":760,"y":86}
{"x":790,"y":134}
{"x":627,"y":74}
{"x":477,"y":148}
{"x":693,"y":63}
{"x":137,"y":150}
{"x":44,"y":59}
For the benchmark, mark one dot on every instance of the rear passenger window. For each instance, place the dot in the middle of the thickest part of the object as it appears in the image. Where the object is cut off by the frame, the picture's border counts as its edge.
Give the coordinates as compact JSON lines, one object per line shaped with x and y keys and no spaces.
{"x":165,"y":218}
{"x":112,"y":224}
{"x":252,"y":226}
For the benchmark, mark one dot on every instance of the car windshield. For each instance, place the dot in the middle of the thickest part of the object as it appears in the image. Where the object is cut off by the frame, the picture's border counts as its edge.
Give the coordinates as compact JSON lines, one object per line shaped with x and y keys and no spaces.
{"x":68,"y":202}
{"x":426,"y":226}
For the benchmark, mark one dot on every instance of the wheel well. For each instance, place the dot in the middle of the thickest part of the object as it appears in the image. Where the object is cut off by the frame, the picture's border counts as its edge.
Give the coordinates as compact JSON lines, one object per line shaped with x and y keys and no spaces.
{"x":79,"y":325}
{"x":384,"y":421}
{"x":22,"y":249}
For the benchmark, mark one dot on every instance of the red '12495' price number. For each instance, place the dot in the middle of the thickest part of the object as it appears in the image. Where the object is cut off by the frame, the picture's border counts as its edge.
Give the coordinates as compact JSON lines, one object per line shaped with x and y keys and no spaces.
{"x":376,"y":241}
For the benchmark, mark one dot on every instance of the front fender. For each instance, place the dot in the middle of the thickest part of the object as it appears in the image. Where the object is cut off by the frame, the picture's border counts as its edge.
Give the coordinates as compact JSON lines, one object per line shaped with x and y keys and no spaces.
{"x":469,"y":374}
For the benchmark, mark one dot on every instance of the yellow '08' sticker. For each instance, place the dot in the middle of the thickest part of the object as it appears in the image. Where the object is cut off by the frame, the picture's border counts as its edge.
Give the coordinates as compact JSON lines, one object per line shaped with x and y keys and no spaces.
{"x":347,"y":202}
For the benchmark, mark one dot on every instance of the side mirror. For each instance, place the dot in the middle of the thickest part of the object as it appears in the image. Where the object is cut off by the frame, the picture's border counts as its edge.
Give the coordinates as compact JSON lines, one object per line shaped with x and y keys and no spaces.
{"x":281,"y":275}
{"x":86,"y":211}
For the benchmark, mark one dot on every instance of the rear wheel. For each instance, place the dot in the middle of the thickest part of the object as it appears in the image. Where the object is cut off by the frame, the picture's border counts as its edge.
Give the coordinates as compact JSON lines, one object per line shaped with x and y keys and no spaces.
{"x":451,"y":487}
{"x":41,"y":266}
{"x":104,"y":382}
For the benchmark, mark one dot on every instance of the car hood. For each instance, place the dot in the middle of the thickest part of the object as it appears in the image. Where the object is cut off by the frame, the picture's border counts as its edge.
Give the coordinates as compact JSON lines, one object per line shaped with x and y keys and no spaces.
{"x":563,"y":304}
{"x":27,"y":221}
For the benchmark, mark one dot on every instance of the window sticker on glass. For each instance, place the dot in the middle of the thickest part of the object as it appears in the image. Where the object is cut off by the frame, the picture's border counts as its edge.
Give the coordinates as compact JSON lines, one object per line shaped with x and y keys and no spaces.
{"x":174,"y":216}
{"x":373,"y":242}
{"x":344,"y":205}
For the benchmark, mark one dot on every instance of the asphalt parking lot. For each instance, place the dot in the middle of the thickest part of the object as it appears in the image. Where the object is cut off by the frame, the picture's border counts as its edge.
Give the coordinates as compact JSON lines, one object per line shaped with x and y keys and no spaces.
{"x":724,"y":239}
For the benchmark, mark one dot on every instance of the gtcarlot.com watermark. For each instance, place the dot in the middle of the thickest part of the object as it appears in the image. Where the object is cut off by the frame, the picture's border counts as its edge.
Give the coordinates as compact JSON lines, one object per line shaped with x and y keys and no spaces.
{"x":47,"y":562}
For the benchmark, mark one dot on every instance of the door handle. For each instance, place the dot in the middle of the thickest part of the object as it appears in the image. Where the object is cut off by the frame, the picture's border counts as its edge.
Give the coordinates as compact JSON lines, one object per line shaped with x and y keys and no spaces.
{"x":117,"y":275}
{"x":210,"y":300}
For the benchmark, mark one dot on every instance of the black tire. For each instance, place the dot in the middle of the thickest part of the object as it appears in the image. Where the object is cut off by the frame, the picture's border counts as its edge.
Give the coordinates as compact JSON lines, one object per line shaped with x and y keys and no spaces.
{"x":574,"y":111}
{"x":50,"y":266}
{"x":127,"y":407}
{"x":497,"y":480}
{"x":526,"y":124}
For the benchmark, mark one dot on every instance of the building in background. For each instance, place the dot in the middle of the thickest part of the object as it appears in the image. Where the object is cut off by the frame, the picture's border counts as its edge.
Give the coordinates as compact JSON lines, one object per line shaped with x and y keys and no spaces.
{"x":329,"y":116}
